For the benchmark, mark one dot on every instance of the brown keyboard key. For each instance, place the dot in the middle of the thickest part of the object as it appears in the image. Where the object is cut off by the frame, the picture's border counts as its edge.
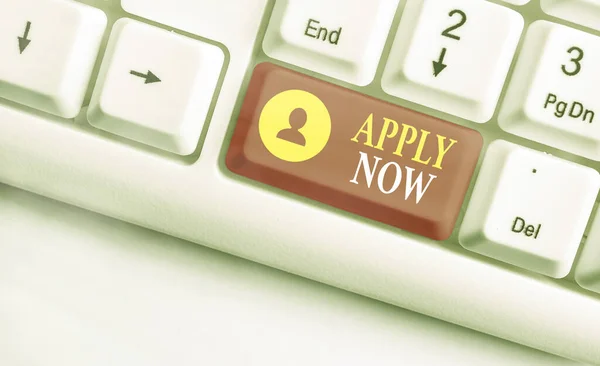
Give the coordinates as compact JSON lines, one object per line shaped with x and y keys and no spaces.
{"x":353,"y":152}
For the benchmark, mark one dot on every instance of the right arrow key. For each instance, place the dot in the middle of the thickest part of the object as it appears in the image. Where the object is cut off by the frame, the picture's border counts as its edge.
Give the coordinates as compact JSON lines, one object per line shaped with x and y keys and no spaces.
{"x":155,"y":87}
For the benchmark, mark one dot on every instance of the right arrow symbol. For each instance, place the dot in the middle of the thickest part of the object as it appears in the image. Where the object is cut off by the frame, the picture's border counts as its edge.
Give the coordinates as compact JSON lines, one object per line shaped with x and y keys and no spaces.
{"x":24,"y":41}
{"x":439,"y":66}
{"x":150,"y":77}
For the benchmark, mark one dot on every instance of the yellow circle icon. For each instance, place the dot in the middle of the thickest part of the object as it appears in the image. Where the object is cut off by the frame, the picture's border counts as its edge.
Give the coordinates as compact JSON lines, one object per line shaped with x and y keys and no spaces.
{"x":294,"y":125}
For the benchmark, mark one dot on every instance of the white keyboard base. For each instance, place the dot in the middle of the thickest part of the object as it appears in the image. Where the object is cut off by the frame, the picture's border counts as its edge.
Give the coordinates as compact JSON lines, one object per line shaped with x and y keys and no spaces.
{"x":57,"y":295}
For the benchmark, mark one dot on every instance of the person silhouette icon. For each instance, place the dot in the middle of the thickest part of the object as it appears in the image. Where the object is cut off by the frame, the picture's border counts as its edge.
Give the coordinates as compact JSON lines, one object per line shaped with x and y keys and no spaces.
{"x":294,"y":125}
{"x":297,"y":120}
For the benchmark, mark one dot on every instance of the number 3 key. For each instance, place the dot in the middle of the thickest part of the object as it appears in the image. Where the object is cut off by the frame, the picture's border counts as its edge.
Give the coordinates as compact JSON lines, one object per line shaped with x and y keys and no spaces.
{"x":552,"y":97}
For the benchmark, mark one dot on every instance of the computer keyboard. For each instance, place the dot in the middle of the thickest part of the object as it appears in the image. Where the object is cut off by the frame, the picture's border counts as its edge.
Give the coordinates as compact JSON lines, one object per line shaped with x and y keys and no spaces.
{"x":439,"y":155}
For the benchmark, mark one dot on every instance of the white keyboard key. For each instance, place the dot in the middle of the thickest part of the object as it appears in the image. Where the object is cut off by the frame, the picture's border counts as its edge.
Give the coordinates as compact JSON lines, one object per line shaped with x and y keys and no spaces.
{"x":155,"y":86}
{"x":552,"y":97}
{"x":48,"y":49}
{"x":587,"y":269}
{"x":529,"y":209}
{"x":453,"y":55}
{"x":584,"y":12}
{"x":338,"y":38}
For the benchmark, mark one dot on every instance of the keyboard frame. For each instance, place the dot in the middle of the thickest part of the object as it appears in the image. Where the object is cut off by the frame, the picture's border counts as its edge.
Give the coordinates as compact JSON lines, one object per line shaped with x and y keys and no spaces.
{"x":198,"y":199}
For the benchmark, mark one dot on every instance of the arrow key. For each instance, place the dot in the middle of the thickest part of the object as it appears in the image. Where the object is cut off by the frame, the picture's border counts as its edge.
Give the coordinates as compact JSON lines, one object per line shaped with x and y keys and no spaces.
{"x":453,"y":55}
{"x":48,"y":48}
{"x":155,"y":86}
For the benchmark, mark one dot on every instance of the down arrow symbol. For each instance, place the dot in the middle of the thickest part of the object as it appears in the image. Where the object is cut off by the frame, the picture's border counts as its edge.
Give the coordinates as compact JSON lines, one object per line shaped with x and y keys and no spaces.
{"x":24,"y":41}
{"x":439,"y":66}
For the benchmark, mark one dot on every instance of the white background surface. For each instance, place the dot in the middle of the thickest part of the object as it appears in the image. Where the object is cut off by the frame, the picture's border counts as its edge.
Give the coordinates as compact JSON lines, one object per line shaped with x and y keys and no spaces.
{"x":78,"y":288}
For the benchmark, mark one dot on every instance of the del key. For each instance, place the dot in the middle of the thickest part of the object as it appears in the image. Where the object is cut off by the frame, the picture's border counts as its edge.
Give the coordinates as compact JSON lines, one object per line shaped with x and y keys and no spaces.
{"x":529,"y":209}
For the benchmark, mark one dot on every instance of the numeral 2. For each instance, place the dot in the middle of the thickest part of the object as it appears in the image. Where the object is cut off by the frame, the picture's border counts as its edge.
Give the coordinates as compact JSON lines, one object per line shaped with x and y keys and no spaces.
{"x":463,"y":20}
